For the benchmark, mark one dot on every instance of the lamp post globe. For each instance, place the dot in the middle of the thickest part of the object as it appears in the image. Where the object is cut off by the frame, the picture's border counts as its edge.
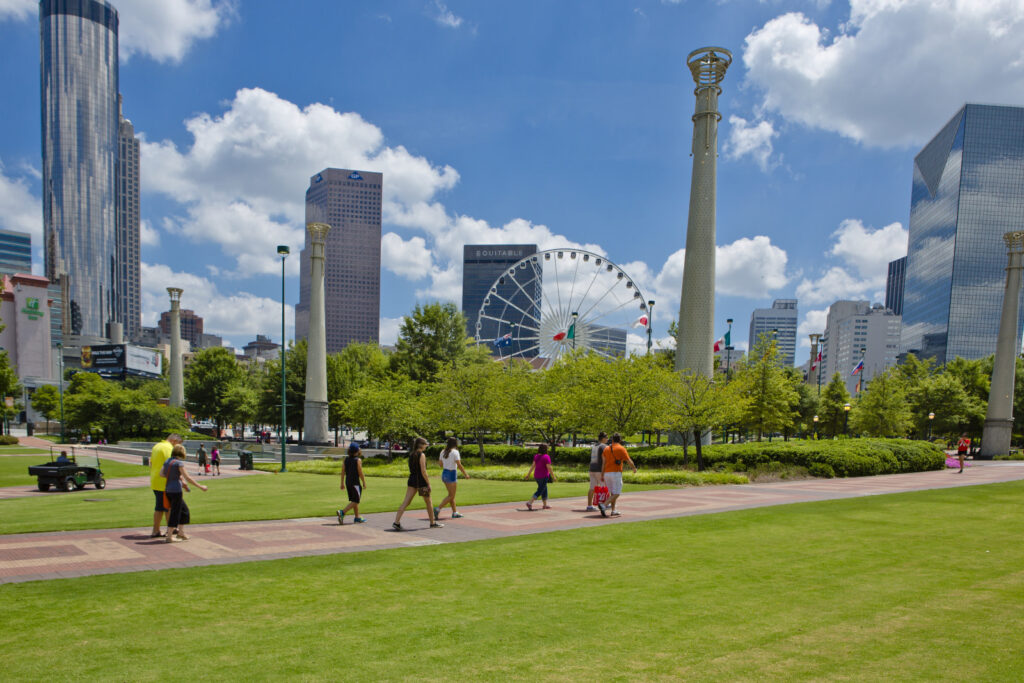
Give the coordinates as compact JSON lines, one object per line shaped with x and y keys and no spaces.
{"x":846,"y":419}
{"x":931,"y":416}
{"x":815,"y":427}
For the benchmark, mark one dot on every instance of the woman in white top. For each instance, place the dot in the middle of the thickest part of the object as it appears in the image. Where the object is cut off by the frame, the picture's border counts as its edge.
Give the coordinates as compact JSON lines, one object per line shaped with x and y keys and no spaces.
{"x":451,"y":465}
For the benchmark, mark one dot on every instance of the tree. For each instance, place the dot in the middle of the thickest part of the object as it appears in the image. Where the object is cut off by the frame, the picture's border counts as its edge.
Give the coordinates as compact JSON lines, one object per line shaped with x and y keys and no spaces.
{"x":806,"y":406}
{"x":770,"y":397}
{"x":832,"y":412}
{"x":46,"y":402}
{"x":543,"y":402}
{"x":211,"y":376}
{"x":433,"y":337}
{"x":9,"y":385}
{"x":471,"y":399}
{"x":269,"y":410}
{"x":945,"y":397}
{"x":882,"y":408}
{"x":347,"y":371}
{"x":696,"y":404}
{"x":387,"y":410}
{"x":617,"y":395}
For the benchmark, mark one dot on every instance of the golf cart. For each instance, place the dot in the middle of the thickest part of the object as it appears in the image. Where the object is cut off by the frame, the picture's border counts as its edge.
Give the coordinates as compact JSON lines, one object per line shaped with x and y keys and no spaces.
{"x":69,"y":472}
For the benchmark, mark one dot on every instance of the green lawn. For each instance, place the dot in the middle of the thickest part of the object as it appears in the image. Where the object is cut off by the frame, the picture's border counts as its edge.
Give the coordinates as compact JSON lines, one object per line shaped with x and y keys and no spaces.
{"x":922,"y":586}
{"x":277,"y":496}
{"x":14,"y":469}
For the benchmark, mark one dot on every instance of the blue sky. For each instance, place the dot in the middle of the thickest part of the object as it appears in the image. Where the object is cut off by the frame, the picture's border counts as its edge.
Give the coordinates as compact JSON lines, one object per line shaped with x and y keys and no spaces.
{"x":561,"y":123}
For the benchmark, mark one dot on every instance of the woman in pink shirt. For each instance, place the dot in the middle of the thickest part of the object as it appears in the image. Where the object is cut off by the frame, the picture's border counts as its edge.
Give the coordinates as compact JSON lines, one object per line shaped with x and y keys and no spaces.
{"x":542,"y":474}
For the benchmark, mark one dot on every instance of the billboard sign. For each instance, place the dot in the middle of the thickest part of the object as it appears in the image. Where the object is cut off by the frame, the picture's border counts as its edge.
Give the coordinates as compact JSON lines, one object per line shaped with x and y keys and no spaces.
{"x":144,"y":362}
{"x":114,"y":361}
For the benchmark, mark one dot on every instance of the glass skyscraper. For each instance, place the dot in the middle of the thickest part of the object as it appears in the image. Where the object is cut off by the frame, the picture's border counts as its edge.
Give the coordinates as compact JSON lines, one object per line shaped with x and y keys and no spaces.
{"x":968,"y":190}
{"x":79,"y":84}
{"x":15,"y":252}
{"x":350,"y":202}
{"x":129,"y":298}
{"x":894,"y":285}
{"x":482,"y":267}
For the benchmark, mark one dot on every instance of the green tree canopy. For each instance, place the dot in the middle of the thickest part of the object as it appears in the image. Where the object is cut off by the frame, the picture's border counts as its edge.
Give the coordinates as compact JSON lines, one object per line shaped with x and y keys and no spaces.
{"x":470,"y":399}
{"x":211,"y":376}
{"x":432,"y":337}
{"x":696,"y":404}
{"x":831,"y":411}
{"x":771,"y":399}
{"x":46,"y":402}
{"x":882,"y":408}
{"x":387,"y":410}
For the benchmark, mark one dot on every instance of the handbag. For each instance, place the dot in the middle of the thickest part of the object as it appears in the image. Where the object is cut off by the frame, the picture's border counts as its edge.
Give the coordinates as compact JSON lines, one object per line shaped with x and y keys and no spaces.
{"x":601,"y":495}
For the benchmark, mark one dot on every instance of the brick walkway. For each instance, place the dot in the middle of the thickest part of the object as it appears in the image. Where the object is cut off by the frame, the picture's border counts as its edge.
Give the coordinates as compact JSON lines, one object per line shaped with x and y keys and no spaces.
{"x":28,"y":557}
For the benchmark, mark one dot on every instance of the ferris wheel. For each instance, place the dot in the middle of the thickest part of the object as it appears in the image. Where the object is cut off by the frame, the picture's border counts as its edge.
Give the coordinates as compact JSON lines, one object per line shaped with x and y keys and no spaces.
{"x":558,"y":301}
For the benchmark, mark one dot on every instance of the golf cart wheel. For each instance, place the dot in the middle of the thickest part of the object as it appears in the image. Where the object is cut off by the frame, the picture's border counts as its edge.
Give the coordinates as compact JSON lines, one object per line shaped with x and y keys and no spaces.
{"x":101,"y":483}
{"x":79,"y":486}
{"x":44,"y":486}
{"x":69,"y":484}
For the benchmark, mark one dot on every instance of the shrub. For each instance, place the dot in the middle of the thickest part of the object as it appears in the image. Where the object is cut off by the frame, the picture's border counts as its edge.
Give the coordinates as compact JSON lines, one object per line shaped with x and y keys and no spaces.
{"x":822,"y":470}
{"x":6,"y":440}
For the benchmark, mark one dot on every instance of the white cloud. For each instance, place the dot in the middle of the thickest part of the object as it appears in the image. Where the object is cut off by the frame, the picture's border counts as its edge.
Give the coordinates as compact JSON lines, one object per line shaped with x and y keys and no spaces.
{"x":389,"y":330}
{"x":148,"y":235}
{"x":18,"y":9}
{"x":884,"y":77}
{"x":166,"y":30}
{"x":241,"y":315}
{"x":752,"y":139}
{"x":445,"y":17}
{"x":813,"y":323}
{"x":19,"y":209}
{"x":408,"y":258}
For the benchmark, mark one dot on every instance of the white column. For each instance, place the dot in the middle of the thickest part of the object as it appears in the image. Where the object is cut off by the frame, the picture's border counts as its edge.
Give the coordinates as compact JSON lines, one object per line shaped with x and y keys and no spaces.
{"x":177,"y":377}
{"x":995,"y":439}
{"x":316,"y":407}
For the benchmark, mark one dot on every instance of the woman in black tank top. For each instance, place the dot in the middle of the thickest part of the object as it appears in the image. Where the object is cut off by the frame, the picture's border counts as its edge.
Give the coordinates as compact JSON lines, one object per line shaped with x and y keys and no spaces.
{"x":418,"y":482}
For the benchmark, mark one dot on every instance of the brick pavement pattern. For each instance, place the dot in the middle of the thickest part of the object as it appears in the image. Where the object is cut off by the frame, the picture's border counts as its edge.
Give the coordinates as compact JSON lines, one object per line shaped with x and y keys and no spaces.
{"x":29,"y":557}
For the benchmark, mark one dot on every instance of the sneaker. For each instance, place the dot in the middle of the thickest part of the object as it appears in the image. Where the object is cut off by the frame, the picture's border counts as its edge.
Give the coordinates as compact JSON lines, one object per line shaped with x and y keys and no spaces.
{"x":456,"y":515}
{"x":600,"y":506}
{"x":616,"y":513}
{"x":437,"y":525}
{"x":396,"y":526}
{"x":359,"y":520}
{"x":591,"y":508}
{"x":529,"y":505}
{"x":341,"y":516}
{"x":437,"y":513}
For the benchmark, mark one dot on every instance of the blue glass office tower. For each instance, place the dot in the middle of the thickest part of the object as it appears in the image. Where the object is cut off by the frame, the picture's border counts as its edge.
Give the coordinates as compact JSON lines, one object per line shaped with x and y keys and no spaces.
{"x":968,"y":190}
{"x":894,"y":285}
{"x":15,"y":252}
{"x":482,"y":267}
{"x":79,"y":82}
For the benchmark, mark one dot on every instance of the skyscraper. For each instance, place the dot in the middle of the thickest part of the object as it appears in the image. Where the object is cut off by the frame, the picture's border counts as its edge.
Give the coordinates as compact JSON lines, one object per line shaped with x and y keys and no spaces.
{"x":350,"y":202}
{"x":780,"y":321}
{"x":894,"y":285}
{"x":191,"y":326}
{"x":856,"y":330}
{"x":79,"y":84}
{"x":15,"y":252}
{"x":129,"y":307}
{"x":968,"y":190}
{"x":482,"y":267}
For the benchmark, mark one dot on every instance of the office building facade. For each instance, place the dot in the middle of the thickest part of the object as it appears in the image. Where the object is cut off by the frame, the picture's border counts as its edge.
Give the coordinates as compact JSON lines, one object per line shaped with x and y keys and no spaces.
{"x":483,"y":266}
{"x":79,"y":85}
{"x":350,"y":202}
{"x":779,"y":321}
{"x":129,"y":297}
{"x":191,"y":327}
{"x":856,"y":330}
{"x":894,"y":285}
{"x":968,"y":190}
{"x":15,"y":252}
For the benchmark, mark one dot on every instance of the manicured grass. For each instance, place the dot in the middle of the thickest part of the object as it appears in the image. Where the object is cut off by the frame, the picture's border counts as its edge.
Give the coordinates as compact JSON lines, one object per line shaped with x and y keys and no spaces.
{"x":278,"y":496}
{"x":14,"y":469}
{"x":898,"y":587}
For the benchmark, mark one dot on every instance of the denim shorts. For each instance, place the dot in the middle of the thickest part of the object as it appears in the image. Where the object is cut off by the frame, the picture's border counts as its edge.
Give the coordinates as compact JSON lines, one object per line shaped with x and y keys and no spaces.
{"x":449,"y":476}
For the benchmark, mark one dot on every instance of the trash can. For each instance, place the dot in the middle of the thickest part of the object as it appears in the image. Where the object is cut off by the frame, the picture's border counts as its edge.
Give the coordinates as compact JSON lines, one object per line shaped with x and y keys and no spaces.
{"x":30,"y":428}
{"x":245,"y":460}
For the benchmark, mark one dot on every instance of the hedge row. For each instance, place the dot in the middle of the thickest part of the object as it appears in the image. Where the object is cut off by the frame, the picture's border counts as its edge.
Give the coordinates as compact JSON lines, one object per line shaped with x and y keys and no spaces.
{"x":826,"y":458}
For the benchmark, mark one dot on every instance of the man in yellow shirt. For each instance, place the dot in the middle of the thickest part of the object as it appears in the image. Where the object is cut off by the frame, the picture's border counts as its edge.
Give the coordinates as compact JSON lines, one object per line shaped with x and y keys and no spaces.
{"x":160,"y":453}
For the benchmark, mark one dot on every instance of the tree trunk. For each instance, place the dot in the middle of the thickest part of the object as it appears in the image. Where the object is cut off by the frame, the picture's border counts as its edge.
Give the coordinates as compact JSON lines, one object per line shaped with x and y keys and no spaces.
{"x":480,"y":444}
{"x":700,"y":455}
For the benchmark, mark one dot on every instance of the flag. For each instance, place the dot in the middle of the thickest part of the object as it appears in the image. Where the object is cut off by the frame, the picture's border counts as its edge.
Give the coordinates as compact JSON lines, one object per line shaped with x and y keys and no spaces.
{"x":568,"y":334}
{"x":858,"y":367}
{"x":858,"y":384}
{"x":817,"y":362}
{"x":719,"y":345}
{"x":559,"y":337}
{"x":503,"y":341}
{"x":641,"y":321}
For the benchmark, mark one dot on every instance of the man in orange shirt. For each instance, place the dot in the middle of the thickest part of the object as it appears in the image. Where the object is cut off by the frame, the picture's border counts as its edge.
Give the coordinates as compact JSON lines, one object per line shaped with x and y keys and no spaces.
{"x":611,"y":473}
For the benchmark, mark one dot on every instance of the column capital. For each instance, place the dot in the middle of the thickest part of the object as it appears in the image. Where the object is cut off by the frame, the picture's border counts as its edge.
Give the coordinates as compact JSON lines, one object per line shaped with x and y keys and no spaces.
{"x":318,"y":231}
{"x":175,"y":293}
{"x":1014,"y":240}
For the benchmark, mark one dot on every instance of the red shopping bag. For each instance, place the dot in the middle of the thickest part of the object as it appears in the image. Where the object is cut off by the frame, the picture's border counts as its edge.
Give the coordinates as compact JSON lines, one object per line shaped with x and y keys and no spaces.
{"x":600,"y":495}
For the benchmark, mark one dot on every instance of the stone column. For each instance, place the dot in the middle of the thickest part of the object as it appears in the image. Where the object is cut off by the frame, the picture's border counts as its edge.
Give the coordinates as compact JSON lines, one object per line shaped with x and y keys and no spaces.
{"x":995,"y":439}
{"x":177,"y":378}
{"x":696,"y":335}
{"x":316,"y":424}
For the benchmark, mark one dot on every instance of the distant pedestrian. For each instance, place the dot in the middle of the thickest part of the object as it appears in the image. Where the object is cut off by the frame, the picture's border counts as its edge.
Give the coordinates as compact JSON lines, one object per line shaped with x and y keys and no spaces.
{"x":201,"y":459}
{"x":174,"y":471}
{"x":542,"y":474}
{"x":215,"y":460}
{"x":418,"y":483}
{"x":157,"y":481}
{"x":962,"y":446}
{"x":596,"y":465}
{"x":611,"y":473}
{"x":451,"y":464}
{"x":352,"y":482}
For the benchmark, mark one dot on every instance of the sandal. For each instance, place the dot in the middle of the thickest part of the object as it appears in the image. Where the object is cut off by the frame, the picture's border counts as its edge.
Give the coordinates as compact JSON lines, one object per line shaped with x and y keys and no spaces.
{"x":396,"y":526}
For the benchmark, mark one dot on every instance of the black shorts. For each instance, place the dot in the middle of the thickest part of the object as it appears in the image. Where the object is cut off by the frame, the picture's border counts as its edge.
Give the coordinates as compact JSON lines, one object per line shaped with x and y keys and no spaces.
{"x":159,"y":495}
{"x":355,"y":492}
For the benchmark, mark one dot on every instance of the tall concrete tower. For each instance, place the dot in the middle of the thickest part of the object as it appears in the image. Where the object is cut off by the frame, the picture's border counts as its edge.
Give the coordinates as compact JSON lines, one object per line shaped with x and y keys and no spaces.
{"x":316,"y":424}
{"x":177,"y":376}
{"x":696,"y":338}
{"x":995,"y":439}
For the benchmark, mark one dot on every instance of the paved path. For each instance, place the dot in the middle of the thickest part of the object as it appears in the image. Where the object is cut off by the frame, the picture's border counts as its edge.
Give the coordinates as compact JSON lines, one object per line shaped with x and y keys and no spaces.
{"x":28,"y":557}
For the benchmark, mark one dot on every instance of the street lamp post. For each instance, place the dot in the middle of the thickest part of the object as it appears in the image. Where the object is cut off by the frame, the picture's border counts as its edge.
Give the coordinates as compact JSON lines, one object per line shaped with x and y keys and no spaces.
{"x":575,"y":317}
{"x":650,"y":324}
{"x":283,"y":250}
{"x":931,"y":416}
{"x":728,"y":350}
{"x":846,"y":419}
{"x":60,"y":386}
{"x":815,"y":427}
